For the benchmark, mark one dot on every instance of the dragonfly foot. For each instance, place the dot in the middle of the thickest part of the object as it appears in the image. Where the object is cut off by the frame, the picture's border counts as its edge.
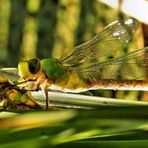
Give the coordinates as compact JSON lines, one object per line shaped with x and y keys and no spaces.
{"x":47,"y":99}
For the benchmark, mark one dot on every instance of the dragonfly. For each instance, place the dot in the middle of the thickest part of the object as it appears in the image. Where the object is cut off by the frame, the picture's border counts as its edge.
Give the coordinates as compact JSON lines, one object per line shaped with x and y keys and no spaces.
{"x":87,"y":65}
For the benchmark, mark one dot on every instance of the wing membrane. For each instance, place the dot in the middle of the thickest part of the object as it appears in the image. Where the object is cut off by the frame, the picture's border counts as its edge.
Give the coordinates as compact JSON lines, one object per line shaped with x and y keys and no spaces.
{"x":113,"y":38}
{"x":129,"y":67}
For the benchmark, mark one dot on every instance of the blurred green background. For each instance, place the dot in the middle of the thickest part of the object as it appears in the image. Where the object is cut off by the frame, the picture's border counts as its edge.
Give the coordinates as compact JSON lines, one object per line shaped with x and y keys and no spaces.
{"x":44,"y":28}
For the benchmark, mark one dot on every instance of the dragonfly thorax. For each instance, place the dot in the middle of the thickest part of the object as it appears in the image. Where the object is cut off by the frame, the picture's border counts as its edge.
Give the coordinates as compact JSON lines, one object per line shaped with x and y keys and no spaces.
{"x":53,"y":68}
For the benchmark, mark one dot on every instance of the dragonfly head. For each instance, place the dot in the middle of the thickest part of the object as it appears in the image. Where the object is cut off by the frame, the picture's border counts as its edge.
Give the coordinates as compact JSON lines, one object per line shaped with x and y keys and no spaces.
{"x":29,"y":69}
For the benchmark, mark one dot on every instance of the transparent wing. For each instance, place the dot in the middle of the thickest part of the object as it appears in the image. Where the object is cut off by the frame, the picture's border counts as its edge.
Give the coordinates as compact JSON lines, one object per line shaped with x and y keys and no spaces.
{"x":113,"y":38}
{"x":129,"y":67}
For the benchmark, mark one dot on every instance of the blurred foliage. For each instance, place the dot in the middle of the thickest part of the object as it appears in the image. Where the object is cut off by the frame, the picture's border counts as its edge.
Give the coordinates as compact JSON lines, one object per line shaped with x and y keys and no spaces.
{"x":14,"y":98}
{"x":107,"y":126}
{"x":43,"y":28}
{"x":40,"y":28}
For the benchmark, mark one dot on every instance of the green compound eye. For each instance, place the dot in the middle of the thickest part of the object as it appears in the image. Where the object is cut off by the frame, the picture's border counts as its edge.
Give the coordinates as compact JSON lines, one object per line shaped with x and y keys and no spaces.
{"x":34,"y":65}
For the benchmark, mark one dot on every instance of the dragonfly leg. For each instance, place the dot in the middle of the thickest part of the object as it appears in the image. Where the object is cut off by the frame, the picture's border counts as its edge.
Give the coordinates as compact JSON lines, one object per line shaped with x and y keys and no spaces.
{"x":47,"y":99}
{"x":44,"y":83}
{"x":44,"y":88}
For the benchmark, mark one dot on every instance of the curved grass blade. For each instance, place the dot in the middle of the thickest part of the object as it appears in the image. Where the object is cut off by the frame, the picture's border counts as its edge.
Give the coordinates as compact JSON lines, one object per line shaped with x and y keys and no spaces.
{"x":82,"y":101}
